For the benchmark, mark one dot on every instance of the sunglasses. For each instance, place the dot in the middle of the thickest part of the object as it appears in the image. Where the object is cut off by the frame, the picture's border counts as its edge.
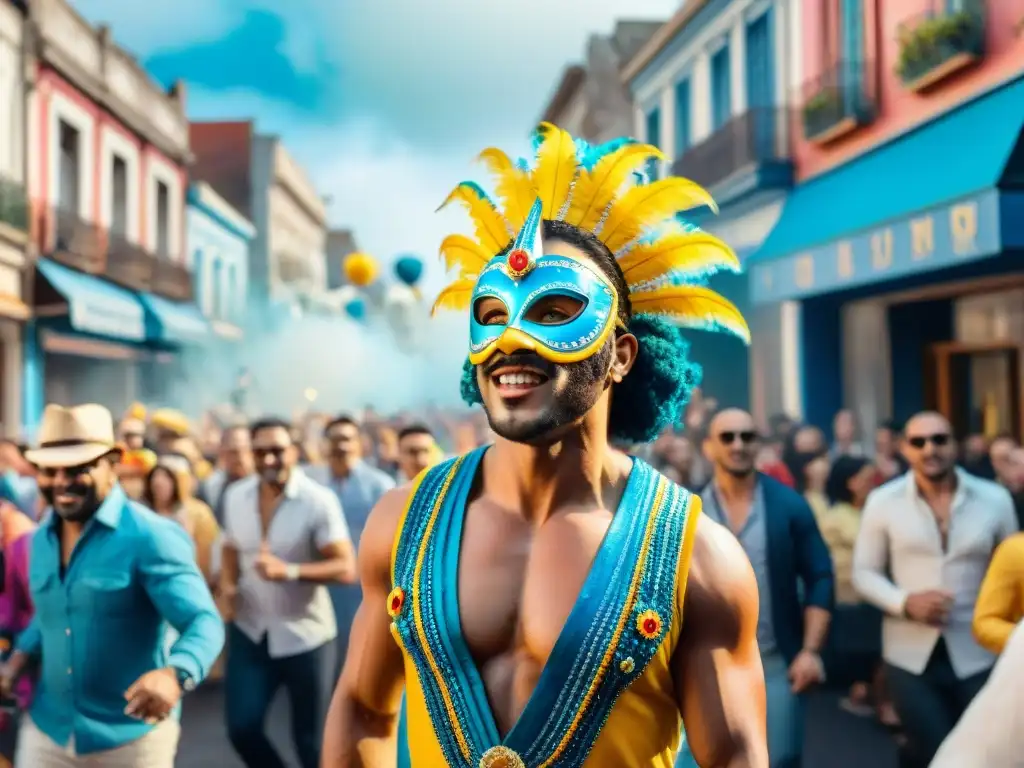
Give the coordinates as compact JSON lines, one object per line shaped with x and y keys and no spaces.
{"x":275,"y":451}
{"x":746,"y":437}
{"x":920,"y":441}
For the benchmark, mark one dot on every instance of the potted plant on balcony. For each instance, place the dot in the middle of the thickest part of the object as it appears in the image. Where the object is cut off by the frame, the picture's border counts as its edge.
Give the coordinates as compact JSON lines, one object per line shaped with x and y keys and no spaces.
{"x":937,"y":40}
{"x":822,"y":111}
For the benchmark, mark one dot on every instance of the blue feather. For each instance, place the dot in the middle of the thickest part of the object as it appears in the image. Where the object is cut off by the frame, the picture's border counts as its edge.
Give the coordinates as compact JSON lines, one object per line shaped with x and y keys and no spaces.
{"x":479,"y":192}
{"x":601,"y":150}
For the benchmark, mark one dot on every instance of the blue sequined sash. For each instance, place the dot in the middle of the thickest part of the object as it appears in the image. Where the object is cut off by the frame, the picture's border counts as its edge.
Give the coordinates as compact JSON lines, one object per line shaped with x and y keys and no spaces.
{"x":613,"y":631}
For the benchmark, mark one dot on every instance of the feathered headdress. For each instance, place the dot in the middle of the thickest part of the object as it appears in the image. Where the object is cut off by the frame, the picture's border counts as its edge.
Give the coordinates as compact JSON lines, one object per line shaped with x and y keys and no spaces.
{"x":604,"y":190}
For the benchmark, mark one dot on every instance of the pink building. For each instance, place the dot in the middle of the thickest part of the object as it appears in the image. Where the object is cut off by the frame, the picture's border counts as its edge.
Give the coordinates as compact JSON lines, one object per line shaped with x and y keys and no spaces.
{"x":106,"y":183}
{"x":897,"y":259}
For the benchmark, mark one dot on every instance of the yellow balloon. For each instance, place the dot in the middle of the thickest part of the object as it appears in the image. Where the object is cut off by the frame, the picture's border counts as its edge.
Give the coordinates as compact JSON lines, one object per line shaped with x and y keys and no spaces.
{"x":361,"y":269}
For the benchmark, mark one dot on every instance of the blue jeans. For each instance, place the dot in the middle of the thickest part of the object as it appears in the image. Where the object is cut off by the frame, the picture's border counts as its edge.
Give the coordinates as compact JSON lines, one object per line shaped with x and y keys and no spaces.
{"x":785,"y":719}
{"x":251,"y":680}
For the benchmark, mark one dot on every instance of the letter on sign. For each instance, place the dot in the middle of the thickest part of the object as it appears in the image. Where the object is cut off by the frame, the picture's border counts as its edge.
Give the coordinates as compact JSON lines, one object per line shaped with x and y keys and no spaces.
{"x":844,"y":259}
{"x":963,"y":223}
{"x":922,"y":237}
{"x":881,"y":249}
{"x":805,"y":272}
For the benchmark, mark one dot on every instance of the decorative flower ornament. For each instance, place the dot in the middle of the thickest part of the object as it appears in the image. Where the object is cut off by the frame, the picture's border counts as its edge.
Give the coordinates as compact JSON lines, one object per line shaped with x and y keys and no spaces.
{"x":648,"y":624}
{"x":396,"y":601}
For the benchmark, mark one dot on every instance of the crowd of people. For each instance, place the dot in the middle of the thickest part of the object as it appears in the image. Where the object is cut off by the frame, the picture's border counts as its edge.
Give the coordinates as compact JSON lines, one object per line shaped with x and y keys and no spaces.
{"x":891,"y":570}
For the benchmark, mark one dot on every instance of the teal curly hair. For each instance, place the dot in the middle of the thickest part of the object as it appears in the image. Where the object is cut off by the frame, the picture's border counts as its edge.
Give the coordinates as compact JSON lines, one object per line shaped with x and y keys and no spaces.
{"x":653,"y":395}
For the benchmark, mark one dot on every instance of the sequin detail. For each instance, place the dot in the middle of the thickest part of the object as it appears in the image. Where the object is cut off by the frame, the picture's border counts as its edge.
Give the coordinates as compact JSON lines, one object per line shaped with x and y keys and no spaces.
{"x":627,"y":665}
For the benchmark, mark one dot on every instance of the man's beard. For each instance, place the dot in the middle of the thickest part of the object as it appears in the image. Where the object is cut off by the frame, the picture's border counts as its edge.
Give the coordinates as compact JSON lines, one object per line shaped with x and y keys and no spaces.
{"x":88,"y":502}
{"x":569,"y":405}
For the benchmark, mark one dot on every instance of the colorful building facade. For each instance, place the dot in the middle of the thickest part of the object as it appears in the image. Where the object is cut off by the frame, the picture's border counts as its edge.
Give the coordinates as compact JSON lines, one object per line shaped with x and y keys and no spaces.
{"x":710,"y":90}
{"x":895,"y":267}
{"x":108,"y":149}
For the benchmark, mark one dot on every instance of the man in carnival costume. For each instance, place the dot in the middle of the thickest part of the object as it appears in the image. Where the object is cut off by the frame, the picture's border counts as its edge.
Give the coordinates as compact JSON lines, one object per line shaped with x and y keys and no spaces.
{"x":530,"y":595}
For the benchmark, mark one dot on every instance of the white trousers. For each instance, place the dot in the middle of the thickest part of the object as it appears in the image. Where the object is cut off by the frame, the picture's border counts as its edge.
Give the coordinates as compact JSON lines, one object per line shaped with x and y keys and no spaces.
{"x":154,"y":750}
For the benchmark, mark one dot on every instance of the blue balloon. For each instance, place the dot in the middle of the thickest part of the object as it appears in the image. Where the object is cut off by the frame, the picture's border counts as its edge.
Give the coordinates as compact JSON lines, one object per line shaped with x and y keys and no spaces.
{"x":356,"y":309}
{"x":409,"y":269}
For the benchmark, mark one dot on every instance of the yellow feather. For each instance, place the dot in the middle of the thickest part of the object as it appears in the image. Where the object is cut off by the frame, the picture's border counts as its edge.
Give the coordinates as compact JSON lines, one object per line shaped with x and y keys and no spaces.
{"x":694,"y":253}
{"x":456,"y":296}
{"x":464,"y":254}
{"x":595,"y":189}
{"x":490,"y":226}
{"x":645,"y":206}
{"x":692,"y":306}
{"x":513,"y":185}
{"x":556,"y":167}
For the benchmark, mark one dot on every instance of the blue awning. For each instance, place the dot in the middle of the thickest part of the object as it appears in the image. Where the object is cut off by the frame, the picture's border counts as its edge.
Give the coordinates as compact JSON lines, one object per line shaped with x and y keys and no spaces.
{"x":94,"y":305}
{"x":925,"y":200}
{"x":174,"y":322}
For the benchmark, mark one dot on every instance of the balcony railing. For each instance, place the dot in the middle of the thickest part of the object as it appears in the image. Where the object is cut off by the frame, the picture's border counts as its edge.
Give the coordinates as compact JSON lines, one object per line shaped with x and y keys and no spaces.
{"x":172,"y":280}
{"x":73,"y":241}
{"x":13,"y":205}
{"x":935,"y":44}
{"x":129,"y":264}
{"x":839,"y":101}
{"x":755,"y":138}
{"x":65,"y":237}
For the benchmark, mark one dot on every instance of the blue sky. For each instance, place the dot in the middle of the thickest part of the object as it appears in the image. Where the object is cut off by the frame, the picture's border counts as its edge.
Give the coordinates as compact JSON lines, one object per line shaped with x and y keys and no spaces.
{"x":385,"y":103}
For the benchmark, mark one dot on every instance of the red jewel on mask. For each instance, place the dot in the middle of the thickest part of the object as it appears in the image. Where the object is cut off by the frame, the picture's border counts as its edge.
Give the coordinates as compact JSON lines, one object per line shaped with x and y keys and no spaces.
{"x":648,"y":624}
{"x":518,"y":262}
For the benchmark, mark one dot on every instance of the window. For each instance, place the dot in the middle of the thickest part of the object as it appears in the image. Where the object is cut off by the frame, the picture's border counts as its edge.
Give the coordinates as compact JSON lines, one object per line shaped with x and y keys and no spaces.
{"x":217,"y":286}
{"x":721,"y":88}
{"x":231,"y":310}
{"x":654,"y":138}
{"x":119,"y":197}
{"x":852,"y":36}
{"x":682,"y":117}
{"x":69,"y":172}
{"x":163,"y":220}
{"x":760,"y":62}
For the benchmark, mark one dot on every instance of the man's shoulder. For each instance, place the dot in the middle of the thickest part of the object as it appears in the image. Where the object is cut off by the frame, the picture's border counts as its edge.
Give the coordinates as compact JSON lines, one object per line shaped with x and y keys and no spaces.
{"x":987,"y":490}
{"x":780,"y":495}
{"x":144,"y":523}
{"x":309,"y":490}
{"x":375,"y":474}
{"x":240,"y":488}
{"x":890,"y":491}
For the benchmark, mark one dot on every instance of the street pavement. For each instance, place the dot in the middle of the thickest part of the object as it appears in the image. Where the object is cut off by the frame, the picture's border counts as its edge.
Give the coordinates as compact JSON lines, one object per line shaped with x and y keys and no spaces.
{"x":835,"y":739}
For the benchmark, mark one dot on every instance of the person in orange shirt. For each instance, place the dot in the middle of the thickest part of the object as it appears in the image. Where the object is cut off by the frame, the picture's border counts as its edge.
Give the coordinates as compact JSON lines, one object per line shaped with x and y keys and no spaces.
{"x":1000,"y":603}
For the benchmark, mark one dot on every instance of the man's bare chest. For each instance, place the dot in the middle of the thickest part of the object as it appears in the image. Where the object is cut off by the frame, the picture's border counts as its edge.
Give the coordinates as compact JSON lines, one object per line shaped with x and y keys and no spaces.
{"x":518,"y":582}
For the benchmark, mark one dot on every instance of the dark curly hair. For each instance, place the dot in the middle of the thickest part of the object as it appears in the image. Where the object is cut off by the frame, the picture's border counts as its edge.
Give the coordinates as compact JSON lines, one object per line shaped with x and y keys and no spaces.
{"x":658,"y":386}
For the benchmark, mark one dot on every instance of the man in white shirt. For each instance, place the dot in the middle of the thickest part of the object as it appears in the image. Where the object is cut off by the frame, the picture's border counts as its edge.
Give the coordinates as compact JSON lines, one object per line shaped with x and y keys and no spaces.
{"x":924,"y":545}
{"x":284,"y":540}
{"x":991,"y":732}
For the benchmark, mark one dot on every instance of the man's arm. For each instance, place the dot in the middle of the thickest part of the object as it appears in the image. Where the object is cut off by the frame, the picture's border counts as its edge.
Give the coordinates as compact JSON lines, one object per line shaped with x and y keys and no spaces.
{"x":178,"y":590}
{"x":996,"y":611}
{"x":333,"y":542}
{"x":361,"y":726}
{"x":814,"y":566}
{"x":1007,"y":515}
{"x":717,"y":666}
{"x":871,"y":560}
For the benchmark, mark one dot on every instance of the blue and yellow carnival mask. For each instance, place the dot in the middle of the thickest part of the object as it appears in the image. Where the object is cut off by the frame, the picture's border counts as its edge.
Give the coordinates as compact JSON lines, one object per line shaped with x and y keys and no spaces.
{"x":601,"y":190}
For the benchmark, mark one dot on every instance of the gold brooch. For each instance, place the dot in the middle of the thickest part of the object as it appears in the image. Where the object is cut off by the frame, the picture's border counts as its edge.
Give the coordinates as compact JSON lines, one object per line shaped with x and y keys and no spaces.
{"x":501,"y":757}
{"x":396,"y":601}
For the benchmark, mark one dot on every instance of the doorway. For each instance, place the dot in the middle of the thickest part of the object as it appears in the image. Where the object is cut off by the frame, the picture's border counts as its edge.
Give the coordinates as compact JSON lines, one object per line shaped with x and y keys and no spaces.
{"x":976,"y":387}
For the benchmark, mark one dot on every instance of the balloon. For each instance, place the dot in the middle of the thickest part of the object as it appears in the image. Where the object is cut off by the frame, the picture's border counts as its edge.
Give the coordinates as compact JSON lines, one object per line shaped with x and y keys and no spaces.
{"x":356,"y":309}
{"x":409,"y":269}
{"x":360,"y":268}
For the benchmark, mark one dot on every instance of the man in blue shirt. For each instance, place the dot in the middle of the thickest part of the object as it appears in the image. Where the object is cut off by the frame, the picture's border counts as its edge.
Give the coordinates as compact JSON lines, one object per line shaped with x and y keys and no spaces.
{"x":107,"y":576}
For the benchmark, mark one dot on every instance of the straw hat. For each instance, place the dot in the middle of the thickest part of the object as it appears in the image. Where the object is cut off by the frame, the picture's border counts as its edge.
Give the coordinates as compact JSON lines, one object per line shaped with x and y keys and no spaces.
{"x":71,"y":437}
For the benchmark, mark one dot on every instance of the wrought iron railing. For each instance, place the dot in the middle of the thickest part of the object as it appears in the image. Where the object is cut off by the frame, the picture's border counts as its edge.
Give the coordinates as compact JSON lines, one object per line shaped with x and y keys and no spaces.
{"x":13,"y":204}
{"x":68,"y":238}
{"x":841,"y":97}
{"x":758,"y":136}
{"x":932,"y":39}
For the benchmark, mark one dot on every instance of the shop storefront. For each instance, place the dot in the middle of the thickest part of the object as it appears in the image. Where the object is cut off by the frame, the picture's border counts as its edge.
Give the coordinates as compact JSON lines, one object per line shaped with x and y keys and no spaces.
{"x":170,"y":375}
{"x":899,"y":277}
{"x":85,"y":344}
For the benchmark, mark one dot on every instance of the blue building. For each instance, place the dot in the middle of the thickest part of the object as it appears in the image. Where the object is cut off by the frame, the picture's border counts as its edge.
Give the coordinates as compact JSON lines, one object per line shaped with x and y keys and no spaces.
{"x":219,"y":240}
{"x":709,"y":90}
